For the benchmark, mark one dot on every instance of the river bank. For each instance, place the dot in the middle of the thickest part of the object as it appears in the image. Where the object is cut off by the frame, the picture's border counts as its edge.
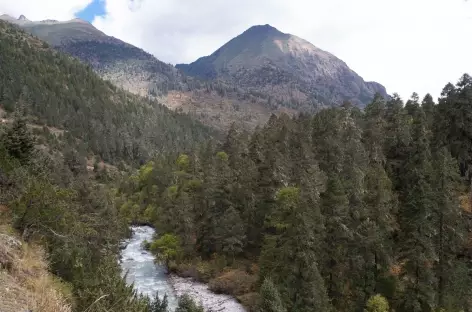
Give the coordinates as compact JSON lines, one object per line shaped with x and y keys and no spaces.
{"x":148,"y":277}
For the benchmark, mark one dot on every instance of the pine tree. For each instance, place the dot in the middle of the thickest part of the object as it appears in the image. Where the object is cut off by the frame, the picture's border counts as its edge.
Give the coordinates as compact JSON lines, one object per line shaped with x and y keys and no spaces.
{"x":187,"y":304}
{"x":452,"y":120}
{"x":416,"y":249}
{"x":158,"y":304}
{"x":218,"y":194}
{"x":18,"y":140}
{"x":289,"y":255}
{"x":337,"y":236}
{"x":428,"y":107}
{"x":270,"y":298}
{"x":450,"y":230}
{"x":266,"y":184}
{"x":379,"y":200}
{"x":230,"y":234}
{"x":397,"y":139}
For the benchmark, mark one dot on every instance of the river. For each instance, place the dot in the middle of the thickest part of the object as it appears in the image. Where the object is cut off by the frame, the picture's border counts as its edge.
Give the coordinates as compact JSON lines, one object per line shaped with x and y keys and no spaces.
{"x":149,"y":278}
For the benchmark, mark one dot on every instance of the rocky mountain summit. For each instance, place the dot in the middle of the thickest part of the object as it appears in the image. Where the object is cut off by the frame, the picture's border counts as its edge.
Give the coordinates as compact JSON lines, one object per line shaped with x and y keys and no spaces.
{"x":289,"y":68}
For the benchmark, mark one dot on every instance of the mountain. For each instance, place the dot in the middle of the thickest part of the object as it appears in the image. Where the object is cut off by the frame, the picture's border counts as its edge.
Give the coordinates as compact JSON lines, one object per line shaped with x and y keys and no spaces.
{"x":260,"y":72}
{"x":58,"y":91}
{"x":119,"y":62}
{"x":213,"y":102}
{"x":289,"y":68}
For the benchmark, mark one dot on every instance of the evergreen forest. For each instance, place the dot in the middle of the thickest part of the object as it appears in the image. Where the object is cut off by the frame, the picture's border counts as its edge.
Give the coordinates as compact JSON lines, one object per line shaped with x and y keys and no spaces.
{"x":343,"y":210}
{"x":340,"y":211}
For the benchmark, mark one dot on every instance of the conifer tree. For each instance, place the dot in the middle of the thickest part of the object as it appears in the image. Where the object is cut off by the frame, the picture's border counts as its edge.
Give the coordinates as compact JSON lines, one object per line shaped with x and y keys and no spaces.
{"x":187,"y":304}
{"x":450,"y":229}
{"x":230,"y":234}
{"x":158,"y":304}
{"x":337,"y":236}
{"x":379,"y":199}
{"x":428,"y":107}
{"x":18,"y":140}
{"x":293,"y":267}
{"x":397,"y":139}
{"x":416,"y":247}
{"x":270,"y":298}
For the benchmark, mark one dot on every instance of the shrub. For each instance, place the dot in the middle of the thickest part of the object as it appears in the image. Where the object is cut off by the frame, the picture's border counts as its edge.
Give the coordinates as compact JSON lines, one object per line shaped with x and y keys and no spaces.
{"x":234,"y":282}
{"x":377,"y":303}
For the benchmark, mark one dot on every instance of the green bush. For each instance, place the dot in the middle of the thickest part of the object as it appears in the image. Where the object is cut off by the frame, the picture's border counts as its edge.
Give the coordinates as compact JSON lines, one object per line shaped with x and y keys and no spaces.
{"x":377,"y":303}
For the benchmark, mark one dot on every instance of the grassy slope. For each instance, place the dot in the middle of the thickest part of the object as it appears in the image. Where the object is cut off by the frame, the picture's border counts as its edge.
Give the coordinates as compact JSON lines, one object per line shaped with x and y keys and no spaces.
{"x":26,"y":282}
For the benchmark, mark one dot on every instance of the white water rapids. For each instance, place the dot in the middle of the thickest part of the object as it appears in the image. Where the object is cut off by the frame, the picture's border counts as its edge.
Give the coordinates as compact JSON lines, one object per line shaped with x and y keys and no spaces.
{"x":149,"y":278}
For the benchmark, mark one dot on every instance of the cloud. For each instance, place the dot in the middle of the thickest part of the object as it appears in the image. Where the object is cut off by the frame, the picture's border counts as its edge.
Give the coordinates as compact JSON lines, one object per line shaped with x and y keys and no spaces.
{"x":43,"y":9}
{"x":407,"y":45}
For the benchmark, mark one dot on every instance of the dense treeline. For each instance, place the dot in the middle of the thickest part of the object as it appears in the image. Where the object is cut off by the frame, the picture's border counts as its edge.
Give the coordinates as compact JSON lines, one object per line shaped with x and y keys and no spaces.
{"x":61,"y":92}
{"x":343,"y":211}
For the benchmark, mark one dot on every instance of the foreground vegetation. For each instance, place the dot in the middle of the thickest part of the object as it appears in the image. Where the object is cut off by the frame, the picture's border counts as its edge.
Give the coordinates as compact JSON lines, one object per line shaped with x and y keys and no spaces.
{"x":26,"y":282}
{"x":342,"y":211}
{"x":73,"y":216}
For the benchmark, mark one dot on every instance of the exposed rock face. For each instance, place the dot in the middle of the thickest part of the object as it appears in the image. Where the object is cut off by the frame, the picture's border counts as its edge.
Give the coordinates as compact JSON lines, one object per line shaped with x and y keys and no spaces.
{"x":285,"y":66}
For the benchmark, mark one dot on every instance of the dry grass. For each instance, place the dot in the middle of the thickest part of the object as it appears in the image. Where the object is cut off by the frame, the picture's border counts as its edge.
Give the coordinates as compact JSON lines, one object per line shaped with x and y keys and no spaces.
{"x":233,"y":282}
{"x":26,"y":282}
{"x":465,"y":203}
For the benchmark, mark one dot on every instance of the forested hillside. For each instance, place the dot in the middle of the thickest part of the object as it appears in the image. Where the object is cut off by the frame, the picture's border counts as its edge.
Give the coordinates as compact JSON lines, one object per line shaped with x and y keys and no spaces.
{"x":59,"y":91}
{"x":344,"y":211}
{"x":55,"y":113}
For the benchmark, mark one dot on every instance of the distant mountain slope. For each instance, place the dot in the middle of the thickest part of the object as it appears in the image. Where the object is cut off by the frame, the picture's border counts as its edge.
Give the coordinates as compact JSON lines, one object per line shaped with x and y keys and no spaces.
{"x":260,"y":72}
{"x":59,"y":91}
{"x":289,"y":68}
{"x":121,"y":63}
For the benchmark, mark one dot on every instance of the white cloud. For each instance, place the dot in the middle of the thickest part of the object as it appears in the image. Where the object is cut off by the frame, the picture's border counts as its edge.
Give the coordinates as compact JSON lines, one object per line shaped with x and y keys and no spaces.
{"x":407,"y":45}
{"x":43,"y":9}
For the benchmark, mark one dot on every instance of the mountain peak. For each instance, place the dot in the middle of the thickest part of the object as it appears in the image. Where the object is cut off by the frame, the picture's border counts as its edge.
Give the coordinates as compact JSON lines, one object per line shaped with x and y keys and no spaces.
{"x":263,"y":30}
{"x":79,"y":20}
{"x":7,"y":17}
{"x":22,"y":18}
{"x":272,"y":62}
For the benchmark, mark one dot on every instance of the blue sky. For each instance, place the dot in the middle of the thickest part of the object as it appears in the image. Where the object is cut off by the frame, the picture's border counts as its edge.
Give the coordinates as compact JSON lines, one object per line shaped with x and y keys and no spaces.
{"x":96,"y":8}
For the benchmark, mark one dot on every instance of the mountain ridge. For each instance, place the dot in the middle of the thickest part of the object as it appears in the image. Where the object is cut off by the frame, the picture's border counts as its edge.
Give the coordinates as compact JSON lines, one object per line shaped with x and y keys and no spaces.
{"x":260,"y":72}
{"x":284,"y":58}
{"x":61,"y":92}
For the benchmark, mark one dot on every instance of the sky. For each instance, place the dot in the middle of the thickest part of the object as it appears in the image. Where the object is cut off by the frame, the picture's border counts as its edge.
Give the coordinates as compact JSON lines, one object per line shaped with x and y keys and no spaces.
{"x":406,"y":45}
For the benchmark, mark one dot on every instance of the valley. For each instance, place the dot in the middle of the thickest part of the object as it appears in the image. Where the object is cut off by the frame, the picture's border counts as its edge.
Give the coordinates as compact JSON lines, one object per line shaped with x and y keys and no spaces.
{"x":265,"y":177}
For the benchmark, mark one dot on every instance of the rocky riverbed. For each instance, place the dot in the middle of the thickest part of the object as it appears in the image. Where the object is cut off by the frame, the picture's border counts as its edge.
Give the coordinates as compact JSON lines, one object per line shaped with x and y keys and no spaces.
{"x":148,"y":277}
